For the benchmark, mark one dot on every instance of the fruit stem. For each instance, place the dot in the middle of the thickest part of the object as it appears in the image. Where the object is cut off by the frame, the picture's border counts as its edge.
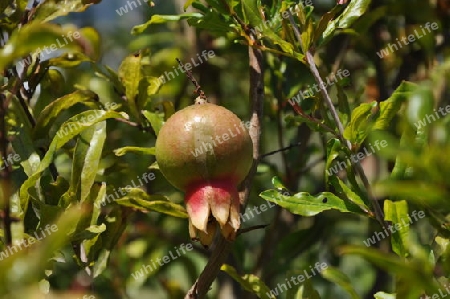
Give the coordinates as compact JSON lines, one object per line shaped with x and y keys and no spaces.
{"x":201,"y":99}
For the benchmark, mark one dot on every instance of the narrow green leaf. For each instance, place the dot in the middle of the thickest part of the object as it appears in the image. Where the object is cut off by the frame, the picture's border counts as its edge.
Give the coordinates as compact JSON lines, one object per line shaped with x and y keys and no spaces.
{"x":116,"y":222}
{"x":68,"y":130}
{"x":249,"y":282}
{"x":390,"y":107}
{"x":335,"y":275}
{"x":276,"y":182}
{"x":139,"y":199}
{"x":305,"y":204}
{"x":68,"y":60}
{"x":352,"y":12}
{"x":383,"y":295}
{"x":397,"y":213}
{"x":51,"y":9}
{"x":325,"y":20}
{"x":134,"y":149}
{"x":334,"y":147}
{"x":155,"y":120}
{"x":360,"y":123}
{"x":251,"y":12}
{"x":35,"y":38}
{"x":92,"y":158}
{"x":342,"y":188}
{"x":160,"y":19}
{"x":54,"y":109}
{"x":130,"y":75}
{"x":187,"y":4}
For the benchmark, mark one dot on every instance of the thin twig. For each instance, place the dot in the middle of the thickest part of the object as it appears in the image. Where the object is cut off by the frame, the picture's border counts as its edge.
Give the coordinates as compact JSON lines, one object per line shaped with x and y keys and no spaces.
{"x":280,"y":150}
{"x":249,"y":229}
{"x":198,"y":89}
{"x":358,"y":168}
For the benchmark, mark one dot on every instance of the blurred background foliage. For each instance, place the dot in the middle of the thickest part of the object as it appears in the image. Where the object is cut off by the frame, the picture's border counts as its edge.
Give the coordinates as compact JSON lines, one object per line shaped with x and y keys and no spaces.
{"x":62,"y":178}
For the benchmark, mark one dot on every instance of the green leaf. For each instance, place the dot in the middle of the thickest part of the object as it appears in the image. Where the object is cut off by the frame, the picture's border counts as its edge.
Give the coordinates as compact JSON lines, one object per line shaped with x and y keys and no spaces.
{"x":325,"y":20}
{"x":139,"y":199}
{"x":276,"y":182}
{"x":68,"y":130}
{"x":334,"y":147}
{"x":307,"y":291}
{"x":51,"y":9}
{"x":116,"y":223}
{"x":360,"y":123}
{"x":134,"y":149}
{"x":368,"y":116}
{"x":253,"y":17}
{"x":35,"y":38}
{"x":155,"y":120}
{"x":161,"y":19}
{"x":147,"y":87}
{"x":352,"y":12}
{"x":73,"y":193}
{"x":390,"y":107}
{"x":307,"y":35}
{"x":335,"y":275}
{"x":345,"y":192}
{"x":93,"y":38}
{"x":249,"y":282}
{"x":97,"y":137}
{"x":305,"y":204}
{"x":397,"y":213}
{"x":187,"y":4}
{"x":251,"y":12}
{"x":130,"y":75}
{"x":54,"y":109}
{"x":68,"y":60}
{"x":89,"y":233}
{"x":383,"y":295}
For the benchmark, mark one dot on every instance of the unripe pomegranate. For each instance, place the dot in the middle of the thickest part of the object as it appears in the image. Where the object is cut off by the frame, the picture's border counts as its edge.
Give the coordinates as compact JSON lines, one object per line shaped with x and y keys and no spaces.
{"x":206,"y":151}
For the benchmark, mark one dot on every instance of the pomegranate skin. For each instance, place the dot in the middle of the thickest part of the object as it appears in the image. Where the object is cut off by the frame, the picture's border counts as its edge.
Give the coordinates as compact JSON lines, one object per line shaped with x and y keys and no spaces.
{"x":188,"y":151}
{"x":206,"y":151}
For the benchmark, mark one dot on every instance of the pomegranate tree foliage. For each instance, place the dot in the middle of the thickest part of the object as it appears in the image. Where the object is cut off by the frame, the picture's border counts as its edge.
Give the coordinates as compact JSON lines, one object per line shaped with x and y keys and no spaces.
{"x":79,"y":145}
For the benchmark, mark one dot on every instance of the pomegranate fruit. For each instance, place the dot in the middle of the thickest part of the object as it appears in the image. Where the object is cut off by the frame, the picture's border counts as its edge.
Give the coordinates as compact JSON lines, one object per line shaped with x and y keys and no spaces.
{"x":206,"y":151}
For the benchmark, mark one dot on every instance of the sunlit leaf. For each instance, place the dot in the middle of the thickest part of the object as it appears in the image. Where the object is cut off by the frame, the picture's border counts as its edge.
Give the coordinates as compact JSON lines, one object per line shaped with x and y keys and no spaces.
{"x":249,"y":282}
{"x":139,"y":199}
{"x":305,"y":204}
{"x":134,"y":149}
